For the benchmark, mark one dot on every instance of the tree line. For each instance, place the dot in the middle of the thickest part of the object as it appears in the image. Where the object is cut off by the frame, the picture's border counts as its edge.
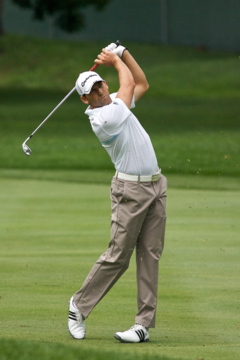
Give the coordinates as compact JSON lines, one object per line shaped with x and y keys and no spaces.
{"x":67,"y":15}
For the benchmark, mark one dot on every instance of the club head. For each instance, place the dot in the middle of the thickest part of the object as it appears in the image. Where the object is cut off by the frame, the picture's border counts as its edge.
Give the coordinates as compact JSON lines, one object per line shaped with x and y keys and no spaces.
{"x":26,"y":149}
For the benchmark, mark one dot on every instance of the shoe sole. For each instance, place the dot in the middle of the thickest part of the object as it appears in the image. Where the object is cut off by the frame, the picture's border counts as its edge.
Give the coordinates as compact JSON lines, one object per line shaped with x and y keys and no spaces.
{"x":117,"y":337}
{"x":75,"y":337}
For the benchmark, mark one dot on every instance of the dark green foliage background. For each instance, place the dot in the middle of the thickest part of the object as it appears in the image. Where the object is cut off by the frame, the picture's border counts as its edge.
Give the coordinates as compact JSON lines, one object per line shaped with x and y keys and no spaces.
{"x":191,"y":110}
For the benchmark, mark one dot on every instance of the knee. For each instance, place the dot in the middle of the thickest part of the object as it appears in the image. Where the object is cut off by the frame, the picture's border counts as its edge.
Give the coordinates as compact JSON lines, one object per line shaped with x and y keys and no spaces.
{"x":120,"y":265}
{"x":125,"y":265}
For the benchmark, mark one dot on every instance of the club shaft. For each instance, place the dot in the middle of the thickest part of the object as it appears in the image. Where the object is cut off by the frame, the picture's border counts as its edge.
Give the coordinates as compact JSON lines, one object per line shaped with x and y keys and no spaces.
{"x":70,"y":92}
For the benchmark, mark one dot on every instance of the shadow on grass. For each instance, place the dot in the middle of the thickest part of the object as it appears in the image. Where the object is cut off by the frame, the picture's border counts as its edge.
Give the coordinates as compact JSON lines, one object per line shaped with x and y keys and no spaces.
{"x":26,"y":350}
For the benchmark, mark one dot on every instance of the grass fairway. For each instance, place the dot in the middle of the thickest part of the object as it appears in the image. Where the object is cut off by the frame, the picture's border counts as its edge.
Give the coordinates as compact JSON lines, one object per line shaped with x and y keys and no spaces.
{"x":55,"y":208}
{"x":52,"y":232}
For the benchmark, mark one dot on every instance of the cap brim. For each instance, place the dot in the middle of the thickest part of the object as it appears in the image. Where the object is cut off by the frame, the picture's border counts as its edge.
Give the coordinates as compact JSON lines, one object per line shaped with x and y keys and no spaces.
{"x":89,"y":90}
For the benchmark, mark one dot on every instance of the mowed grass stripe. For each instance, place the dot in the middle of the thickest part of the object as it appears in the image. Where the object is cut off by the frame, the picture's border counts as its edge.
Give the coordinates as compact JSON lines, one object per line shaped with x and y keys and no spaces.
{"x":52,"y":232}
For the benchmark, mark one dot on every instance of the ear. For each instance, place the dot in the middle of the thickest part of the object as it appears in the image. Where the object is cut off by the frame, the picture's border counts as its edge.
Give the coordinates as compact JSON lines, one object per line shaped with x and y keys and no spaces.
{"x":84,"y":100}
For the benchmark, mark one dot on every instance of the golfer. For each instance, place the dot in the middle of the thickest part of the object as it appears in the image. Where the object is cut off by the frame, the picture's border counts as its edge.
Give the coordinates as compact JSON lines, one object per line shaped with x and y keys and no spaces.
{"x":138,"y":195}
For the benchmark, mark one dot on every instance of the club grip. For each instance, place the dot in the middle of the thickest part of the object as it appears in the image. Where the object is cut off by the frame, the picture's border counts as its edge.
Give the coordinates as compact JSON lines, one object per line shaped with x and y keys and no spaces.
{"x":96,"y":65}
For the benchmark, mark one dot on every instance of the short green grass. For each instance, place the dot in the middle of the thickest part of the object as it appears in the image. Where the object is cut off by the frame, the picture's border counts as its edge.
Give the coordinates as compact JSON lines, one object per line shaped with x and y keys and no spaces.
{"x":51,"y":234}
{"x":55,"y":209}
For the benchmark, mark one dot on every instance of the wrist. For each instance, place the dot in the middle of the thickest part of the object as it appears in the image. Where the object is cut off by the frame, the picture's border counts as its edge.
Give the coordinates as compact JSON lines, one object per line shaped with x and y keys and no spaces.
{"x":117,"y":61}
{"x":119,"y":50}
{"x":125,"y":53}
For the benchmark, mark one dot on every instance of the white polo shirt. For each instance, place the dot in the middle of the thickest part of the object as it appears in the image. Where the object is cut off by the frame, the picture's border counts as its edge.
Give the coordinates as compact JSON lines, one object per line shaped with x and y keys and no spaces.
{"x":124,"y":138}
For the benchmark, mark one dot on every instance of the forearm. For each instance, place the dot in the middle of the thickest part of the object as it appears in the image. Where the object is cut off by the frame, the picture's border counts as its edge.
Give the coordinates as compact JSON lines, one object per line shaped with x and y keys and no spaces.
{"x":141,"y":83}
{"x":126,"y":82}
{"x":111,"y":59}
{"x":124,"y":73}
{"x":140,"y":80}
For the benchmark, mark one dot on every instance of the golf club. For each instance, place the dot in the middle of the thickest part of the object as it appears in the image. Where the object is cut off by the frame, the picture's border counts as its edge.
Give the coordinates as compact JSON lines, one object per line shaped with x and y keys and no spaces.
{"x":25,"y":147}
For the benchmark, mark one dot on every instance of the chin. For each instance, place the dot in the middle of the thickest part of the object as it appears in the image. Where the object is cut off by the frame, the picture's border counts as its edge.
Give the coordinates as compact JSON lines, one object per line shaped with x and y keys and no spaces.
{"x":108,"y":101}
{"x":105,"y":102}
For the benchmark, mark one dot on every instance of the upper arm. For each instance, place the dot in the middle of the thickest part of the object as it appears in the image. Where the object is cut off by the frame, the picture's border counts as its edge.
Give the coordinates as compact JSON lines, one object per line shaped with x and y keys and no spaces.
{"x":125,"y":93}
{"x":140,"y":90}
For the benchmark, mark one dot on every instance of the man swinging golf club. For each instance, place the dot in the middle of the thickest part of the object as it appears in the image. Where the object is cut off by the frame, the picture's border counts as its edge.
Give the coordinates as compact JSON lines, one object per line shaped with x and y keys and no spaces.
{"x":138,"y":195}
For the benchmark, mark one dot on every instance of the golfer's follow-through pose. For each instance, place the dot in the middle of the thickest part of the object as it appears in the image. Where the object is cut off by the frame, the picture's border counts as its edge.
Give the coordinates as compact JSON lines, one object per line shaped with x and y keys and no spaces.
{"x":138,"y":195}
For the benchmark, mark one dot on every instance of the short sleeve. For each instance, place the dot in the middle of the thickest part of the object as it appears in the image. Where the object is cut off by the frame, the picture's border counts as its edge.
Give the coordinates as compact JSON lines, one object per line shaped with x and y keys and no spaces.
{"x":113,"y":116}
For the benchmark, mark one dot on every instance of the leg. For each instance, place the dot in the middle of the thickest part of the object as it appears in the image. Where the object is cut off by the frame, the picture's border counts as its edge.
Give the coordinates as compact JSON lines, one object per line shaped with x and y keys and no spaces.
{"x":128,"y":213}
{"x":148,"y":252}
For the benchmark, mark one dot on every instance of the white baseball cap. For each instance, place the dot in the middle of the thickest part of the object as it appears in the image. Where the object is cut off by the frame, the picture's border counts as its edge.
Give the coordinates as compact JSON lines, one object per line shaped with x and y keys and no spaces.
{"x":85,"y":82}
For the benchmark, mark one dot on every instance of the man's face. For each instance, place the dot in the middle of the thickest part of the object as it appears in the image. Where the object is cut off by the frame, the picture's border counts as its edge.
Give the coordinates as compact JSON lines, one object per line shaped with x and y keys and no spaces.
{"x":99,"y":95}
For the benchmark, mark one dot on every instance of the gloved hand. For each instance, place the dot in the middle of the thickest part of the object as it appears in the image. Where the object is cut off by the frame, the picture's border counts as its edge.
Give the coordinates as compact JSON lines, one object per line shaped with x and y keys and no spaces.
{"x":111,"y":47}
{"x":118,"y":50}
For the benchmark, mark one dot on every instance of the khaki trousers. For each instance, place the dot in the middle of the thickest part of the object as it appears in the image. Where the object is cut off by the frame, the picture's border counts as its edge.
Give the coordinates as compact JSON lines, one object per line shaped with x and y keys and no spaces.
{"x":138,"y":221}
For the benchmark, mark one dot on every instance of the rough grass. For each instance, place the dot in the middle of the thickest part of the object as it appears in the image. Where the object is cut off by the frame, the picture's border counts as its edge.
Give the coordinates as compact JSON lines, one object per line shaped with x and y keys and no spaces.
{"x":191,"y":110}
